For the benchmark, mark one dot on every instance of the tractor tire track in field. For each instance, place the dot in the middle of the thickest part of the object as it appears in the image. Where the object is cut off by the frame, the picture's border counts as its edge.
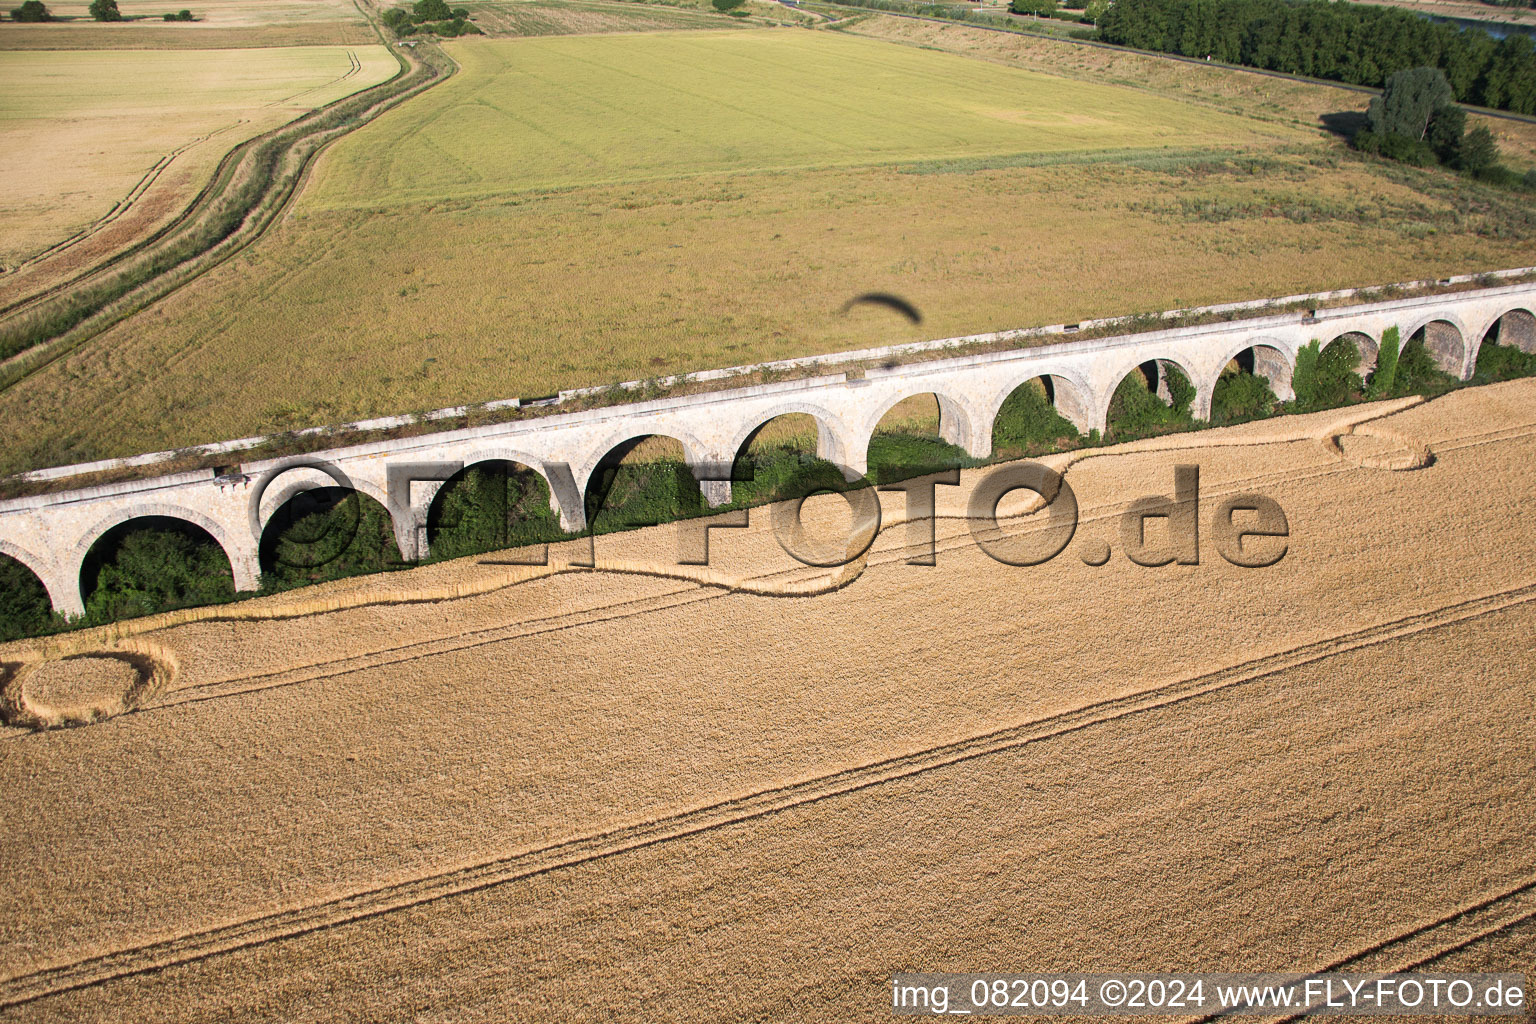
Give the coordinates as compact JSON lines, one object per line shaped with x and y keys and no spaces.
{"x":250,"y":190}
{"x":1421,"y":946}
{"x":123,"y":205}
{"x":211,"y":942}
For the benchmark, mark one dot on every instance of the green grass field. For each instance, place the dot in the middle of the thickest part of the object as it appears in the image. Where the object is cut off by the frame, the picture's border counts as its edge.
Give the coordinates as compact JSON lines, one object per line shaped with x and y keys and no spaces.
{"x":80,"y":131}
{"x":533,"y":115}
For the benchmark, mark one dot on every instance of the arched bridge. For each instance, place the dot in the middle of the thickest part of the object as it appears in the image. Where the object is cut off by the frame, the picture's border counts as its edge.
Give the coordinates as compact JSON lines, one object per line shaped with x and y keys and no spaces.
{"x":52,"y":534}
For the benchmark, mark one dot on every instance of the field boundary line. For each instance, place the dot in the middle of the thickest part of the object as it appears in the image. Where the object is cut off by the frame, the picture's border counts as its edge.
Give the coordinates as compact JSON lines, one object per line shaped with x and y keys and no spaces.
{"x":203,"y":944}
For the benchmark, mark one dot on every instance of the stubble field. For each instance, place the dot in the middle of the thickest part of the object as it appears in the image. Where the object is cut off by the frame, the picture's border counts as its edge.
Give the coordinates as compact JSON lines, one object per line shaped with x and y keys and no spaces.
{"x":121,"y":138}
{"x":661,"y":793}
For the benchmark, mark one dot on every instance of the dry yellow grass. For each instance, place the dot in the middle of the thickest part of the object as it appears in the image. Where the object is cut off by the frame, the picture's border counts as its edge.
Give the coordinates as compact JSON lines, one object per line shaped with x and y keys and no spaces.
{"x":116,"y":141}
{"x":596,"y":795}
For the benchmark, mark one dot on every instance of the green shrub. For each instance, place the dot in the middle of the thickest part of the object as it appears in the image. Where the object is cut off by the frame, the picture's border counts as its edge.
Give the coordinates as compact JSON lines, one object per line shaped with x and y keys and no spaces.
{"x":181,"y":15}
{"x":1136,"y":411}
{"x":1304,"y":375}
{"x":153,"y":565}
{"x":726,"y":5}
{"x":1502,"y":362}
{"x":1028,"y":424}
{"x":1326,"y":379}
{"x":1241,"y":396}
{"x":1417,"y":373}
{"x":423,"y":11}
{"x":24,"y":606}
{"x":489,"y":507}
{"x":632,"y":494}
{"x":327,"y":533}
{"x":1384,"y":378}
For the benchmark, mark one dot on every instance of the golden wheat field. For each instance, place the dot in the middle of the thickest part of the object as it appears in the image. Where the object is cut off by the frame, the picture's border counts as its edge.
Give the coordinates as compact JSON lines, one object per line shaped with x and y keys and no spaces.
{"x":114,"y":141}
{"x":753,"y":791}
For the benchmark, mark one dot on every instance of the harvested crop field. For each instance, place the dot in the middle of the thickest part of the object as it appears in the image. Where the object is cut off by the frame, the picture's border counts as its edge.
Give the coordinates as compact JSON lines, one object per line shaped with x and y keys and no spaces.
{"x":672,"y":793}
{"x":116,"y":140}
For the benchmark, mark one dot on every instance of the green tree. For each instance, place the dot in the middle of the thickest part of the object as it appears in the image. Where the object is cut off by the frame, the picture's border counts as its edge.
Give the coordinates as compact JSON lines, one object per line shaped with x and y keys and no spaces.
{"x":1479,"y":151}
{"x":105,"y":10}
{"x":32,"y":10}
{"x":153,"y":568}
{"x":430,"y":10}
{"x":1304,"y":376}
{"x":1446,"y":130}
{"x":1385,"y":377}
{"x":1037,"y":8}
{"x":1408,"y":101}
{"x":1094,"y":10}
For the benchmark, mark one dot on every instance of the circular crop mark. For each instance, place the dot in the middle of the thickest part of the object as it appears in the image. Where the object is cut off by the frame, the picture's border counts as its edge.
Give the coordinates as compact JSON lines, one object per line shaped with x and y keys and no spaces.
{"x":81,"y":688}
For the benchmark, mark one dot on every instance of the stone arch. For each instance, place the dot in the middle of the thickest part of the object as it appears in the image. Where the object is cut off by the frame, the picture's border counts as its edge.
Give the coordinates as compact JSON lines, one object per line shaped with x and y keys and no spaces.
{"x":1368,"y":347}
{"x":695,"y":451}
{"x":1444,"y":338}
{"x":265,"y":545}
{"x":1262,"y":357}
{"x":276,"y":499}
{"x":956,"y":425}
{"x":240,"y":551}
{"x":1515,"y":328}
{"x":1068,"y":395}
{"x":622,"y":443}
{"x":47,"y":574}
{"x":93,"y":549}
{"x":1069,"y":392}
{"x":427,"y":515}
{"x":830,"y":443}
{"x":1155,"y":373}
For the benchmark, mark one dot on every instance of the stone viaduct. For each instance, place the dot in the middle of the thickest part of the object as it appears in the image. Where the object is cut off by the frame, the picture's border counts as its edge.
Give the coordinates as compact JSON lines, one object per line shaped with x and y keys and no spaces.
{"x":51,"y":534}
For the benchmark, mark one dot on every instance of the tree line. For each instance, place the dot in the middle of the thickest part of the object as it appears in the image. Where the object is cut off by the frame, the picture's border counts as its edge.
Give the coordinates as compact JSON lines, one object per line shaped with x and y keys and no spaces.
{"x":1343,"y":42}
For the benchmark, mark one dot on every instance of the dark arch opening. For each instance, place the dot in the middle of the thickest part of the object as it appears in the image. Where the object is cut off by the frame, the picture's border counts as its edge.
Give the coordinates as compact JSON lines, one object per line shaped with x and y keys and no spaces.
{"x":24,"y":606}
{"x":641,"y":482}
{"x":1031,"y":422}
{"x":491,"y":506}
{"x":908,"y":441}
{"x":1508,"y":349}
{"x":778,"y":460}
{"x":326,"y":533}
{"x":1444,"y":344}
{"x":1249,"y":387}
{"x":1153,"y":398}
{"x":153,"y":564}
